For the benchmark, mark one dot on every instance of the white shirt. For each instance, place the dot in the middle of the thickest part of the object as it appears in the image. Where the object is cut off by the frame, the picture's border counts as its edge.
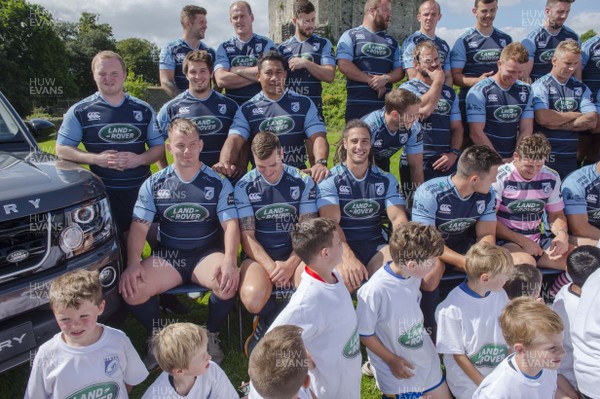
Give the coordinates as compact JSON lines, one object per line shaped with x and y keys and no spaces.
{"x":303,"y":393}
{"x":565,"y":304}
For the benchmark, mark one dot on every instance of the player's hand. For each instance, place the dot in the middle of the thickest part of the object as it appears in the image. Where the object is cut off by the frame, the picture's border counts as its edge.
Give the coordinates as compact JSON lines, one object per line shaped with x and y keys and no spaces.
{"x":318,"y":172}
{"x":445,"y":161}
{"x":531,"y":247}
{"x":107,"y":159}
{"x":401,"y":368}
{"x":437,"y":75}
{"x":381,"y":92}
{"x":282,"y":274}
{"x":128,"y":160}
{"x":559,"y":245}
{"x":297,"y":63}
{"x":376,"y":82}
{"x":485,"y":75}
{"x":228,"y":277}
{"x":133,"y":274}
{"x":353,"y":273}
{"x":225,"y":168}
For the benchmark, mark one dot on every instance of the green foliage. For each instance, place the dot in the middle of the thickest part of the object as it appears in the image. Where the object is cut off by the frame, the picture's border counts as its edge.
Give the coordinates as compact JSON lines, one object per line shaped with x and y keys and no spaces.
{"x":135,"y":85}
{"x":141,"y":56}
{"x":334,"y":103}
{"x":39,"y":113}
{"x":587,"y":35}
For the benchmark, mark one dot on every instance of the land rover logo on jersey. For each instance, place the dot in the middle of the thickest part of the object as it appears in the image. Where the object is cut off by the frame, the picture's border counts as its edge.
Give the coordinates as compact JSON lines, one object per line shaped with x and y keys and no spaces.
{"x":413,"y":337}
{"x":443,"y":107}
{"x":137,"y":115}
{"x":186,"y":212}
{"x":379,"y":188}
{"x":490,"y":55}
{"x":103,"y":390}
{"x":111,"y":364}
{"x":276,"y":211}
{"x":222,"y":108}
{"x":295,"y":106}
{"x":244,"y":61}
{"x":526,"y":206}
{"x":308,"y":56}
{"x":546,"y":56}
{"x":119,"y":133}
{"x":207,"y":124}
{"x":295,"y":192}
{"x":376,"y":50}
{"x":489,"y":355}
{"x":352,"y":347}
{"x":508,"y":113}
{"x":565,"y":105}
{"x":17,"y":256}
{"x":457,"y":226}
{"x":277,"y":125}
{"x":480,"y":206}
{"x":361,"y":208}
{"x":209,"y":193}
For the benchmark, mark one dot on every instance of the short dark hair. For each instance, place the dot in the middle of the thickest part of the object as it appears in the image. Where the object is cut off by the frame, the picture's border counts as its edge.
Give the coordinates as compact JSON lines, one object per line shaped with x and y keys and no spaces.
{"x":190,"y":12}
{"x":303,"y":7}
{"x":311,"y":236}
{"x":477,"y":159}
{"x":582,"y":262}
{"x":197,"y":56}
{"x":525,"y":280}
{"x":263,"y":145}
{"x":483,"y":1}
{"x":272,"y":55}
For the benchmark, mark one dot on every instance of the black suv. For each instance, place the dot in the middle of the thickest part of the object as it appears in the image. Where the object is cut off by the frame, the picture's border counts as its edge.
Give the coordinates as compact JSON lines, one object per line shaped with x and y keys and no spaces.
{"x":54,"y":218}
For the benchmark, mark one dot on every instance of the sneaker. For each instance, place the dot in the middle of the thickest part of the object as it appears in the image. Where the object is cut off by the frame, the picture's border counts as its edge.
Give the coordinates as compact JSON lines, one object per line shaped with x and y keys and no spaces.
{"x":171,"y":304}
{"x":366,"y":369}
{"x":258,"y":331}
{"x":214,"y":349}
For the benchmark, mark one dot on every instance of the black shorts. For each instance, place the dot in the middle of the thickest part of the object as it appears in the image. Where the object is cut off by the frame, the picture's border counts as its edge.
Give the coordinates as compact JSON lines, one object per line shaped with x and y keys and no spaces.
{"x":280,"y":254}
{"x":184,"y":261}
{"x":121,"y":206}
{"x":365,"y":250}
{"x":463,"y":246}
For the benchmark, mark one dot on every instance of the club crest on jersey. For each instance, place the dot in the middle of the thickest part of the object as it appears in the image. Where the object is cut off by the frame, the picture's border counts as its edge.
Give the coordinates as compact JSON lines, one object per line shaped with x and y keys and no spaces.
{"x":93,"y":116}
{"x":222,"y":108}
{"x":523,"y":96}
{"x":111,"y":364}
{"x":502,"y":42}
{"x":389,"y":40}
{"x":578,"y":91}
{"x":137,"y":115}
{"x":258,"y":47}
{"x":295,"y":106}
{"x":316,"y":46}
{"x":379,"y":188}
{"x":295,"y":192}
{"x":546,"y":187}
{"x":209,"y":193}
{"x":480,"y":206}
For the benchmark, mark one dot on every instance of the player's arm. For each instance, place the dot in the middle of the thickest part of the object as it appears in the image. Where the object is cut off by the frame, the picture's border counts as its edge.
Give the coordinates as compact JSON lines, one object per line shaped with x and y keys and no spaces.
{"x":526,"y":77}
{"x":324,"y":73}
{"x":167,"y":82}
{"x":579,"y":226}
{"x":477,"y":134}
{"x":486,"y":231}
{"x":552,"y":119}
{"x":400,"y":367}
{"x":230,"y":275}
{"x":565,"y":389}
{"x":229,"y":155}
{"x":429,"y":100}
{"x":462,"y":80}
{"x":351,"y":71}
{"x":415,"y":163}
{"x":525,"y":128}
{"x":136,"y":239}
{"x":105,"y":159}
{"x":234,"y":80}
{"x":467,"y":367}
{"x":581,"y":123}
{"x":528,"y":245}
{"x":560,"y":229}
{"x":252,"y":247}
{"x":397,"y":215}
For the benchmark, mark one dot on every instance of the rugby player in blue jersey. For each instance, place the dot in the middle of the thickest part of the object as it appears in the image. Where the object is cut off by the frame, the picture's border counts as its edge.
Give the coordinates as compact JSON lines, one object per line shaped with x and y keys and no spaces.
{"x":589,"y":146}
{"x":370,"y":59}
{"x":581,"y":193}
{"x":173,"y":79}
{"x":355,"y":197}
{"x":198,"y":236}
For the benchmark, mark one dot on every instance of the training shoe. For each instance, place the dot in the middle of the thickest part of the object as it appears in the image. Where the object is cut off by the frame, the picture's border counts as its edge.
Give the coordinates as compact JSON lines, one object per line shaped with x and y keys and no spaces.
{"x":171,"y":304}
{"x":214,"y":349}
{"x":366,"y":369}
{"x":258,"y":331}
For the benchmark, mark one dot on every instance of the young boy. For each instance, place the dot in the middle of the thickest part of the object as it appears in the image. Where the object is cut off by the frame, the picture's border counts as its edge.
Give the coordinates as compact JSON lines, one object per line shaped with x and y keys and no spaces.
{"x":322,"y":307}
{"x":534,"y":332}
{"x":581,"y":263}
{"x":468,"y":334}
{"x":85,"y":356}
{"x":278,"y":366}
{"x":401,"y":354}
{"x":181,"y":352}
{"x":525,"y":280}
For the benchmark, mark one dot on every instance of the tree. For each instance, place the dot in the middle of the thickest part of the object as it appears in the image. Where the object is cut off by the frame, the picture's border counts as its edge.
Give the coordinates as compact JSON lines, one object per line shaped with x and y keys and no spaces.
{"x":590,"y":33}
{"x":141,"y":57}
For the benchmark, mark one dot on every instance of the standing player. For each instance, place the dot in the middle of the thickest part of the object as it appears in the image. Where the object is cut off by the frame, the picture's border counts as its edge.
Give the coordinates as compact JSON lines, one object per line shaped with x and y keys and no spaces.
{"x":581,"y":193}
{"x":589,"y":146}
{"x":370,"y":59}
{"x":173,"y":79}
{"x":500,"y":107}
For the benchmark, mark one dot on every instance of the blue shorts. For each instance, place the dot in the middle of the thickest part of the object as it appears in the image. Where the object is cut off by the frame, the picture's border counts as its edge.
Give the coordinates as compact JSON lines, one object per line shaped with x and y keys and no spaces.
{"x":365,"y":250}
{"x":184,"y":261}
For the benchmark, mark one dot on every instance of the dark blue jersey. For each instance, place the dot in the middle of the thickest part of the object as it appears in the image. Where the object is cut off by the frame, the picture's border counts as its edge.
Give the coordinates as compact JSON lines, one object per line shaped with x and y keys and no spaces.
{"x":590,"y":60}
{"x":100,"y":126}
{"x":438,"y":203}
{"x":541,"y":45}
{"x":293,"y":118}
{"x":213,"y":116}
{"x":408,"y":49}
{"x":173,"y":55}
{"x":362,"y":202}
{"x":236,"y":53}
{"x":501,"y":110}
{"x":581,"y":193}
{"x":275,"y":207}
{"x":189,"y":212}
{"x":315,"y":49}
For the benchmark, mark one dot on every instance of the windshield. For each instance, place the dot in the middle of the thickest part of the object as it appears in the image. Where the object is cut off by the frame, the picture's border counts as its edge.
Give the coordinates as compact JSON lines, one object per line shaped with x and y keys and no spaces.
{"x":9,"y":128}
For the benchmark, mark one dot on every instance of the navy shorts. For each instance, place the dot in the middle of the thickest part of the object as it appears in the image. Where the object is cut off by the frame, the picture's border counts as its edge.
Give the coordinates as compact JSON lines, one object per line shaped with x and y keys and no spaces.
{"x":365,"y":250}
{"x":281,"y":254}
{"x":121,"y":206}
{"x":184,"y":261}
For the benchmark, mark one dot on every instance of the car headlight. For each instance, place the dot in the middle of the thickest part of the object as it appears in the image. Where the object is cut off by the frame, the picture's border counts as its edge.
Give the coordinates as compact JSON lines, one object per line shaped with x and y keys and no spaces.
{"x":86,"y":225}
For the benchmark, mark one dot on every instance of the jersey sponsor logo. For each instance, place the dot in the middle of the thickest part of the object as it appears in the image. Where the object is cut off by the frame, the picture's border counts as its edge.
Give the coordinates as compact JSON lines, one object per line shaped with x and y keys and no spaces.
{"x":186,"y":212}
{"x":111,"y":364}
{"x":376,"y":50}
{"x":209,"y":193}
{"x":413,"y":337}
{"x":258,"y":111}
{"x":137,"y":115}
{"x":295,"y":192}
{"x":445,"y":208}
{"x":378,"y":143}
{"x":244,"y":61}
{"x":352,"y":347}
{"x":593,"y":198}
{"x":491,"y":55}
{"x":473,"y":44}
{"x":565,"y":104}
{"x":163,"y":193}
{"x":443,"y":107}
{"x":183,"y":110}
{"x":255,"y":197}
{"x":379,"y":188}
{"x":362,"y":208}
{"x":278,"y":125}
{"x":508,"y":113}
{"x":119,"y":133}
{"x":457,"y":226}
{"x":103,"y":390}
{"x":295,"y":105}
{"x":546,"y":56}
{"x":93,"y":116}
{"x":276,"y":211}
{"x":526,"y":206}
{"x":360,"y":36}
{"x":492,"y":98}
{"x":230,"y":49}
{"x":208,"y":124}
{"x":222,"y":109}
{"x":489,"y":355}
{"x":510,"y":187}
{"x":593,"y":214}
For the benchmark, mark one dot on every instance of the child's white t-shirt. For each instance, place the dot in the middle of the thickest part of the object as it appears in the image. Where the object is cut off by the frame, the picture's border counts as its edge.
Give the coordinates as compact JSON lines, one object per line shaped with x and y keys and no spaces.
{"x":469,"y":324}
{"x":62,"y":371}
{"x":565,"y":304}
{"x":212,"y":384}
{"x":508,"y":382}
{"x":303,"y":393}
{"x":328,"y":319}
{"x":388,"y":307}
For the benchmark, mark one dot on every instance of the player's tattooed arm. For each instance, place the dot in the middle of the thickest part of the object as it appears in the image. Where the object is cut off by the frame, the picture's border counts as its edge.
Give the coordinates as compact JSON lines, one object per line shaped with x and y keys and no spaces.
{"x":142,"y":221}
{"x":247,"y":223}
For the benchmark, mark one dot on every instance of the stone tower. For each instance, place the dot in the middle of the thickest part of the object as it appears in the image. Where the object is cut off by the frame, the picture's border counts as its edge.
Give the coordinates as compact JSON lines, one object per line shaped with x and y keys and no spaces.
{"x":336,"y":16}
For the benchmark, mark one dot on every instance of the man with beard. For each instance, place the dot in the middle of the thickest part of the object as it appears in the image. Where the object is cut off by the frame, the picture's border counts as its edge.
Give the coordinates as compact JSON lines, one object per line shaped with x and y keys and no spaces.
{"x":172,"y":78}
{"x":370,"y":59}
{"x":542,"y":40}
{"x":500,"y":107}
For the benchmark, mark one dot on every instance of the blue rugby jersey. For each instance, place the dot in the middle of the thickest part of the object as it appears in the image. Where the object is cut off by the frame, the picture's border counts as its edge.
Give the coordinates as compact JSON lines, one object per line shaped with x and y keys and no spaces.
{"x":213,"y":116}
{"x":438,"y":203}
{"x":293,"y":118}
{"x":590,"y":61}
{"x":581,"y":193}
{"x":101,"y":126}
{"x":362,"y":202}
{"x":275,"y":207}
{"x":189,"y":212}
{"x":541,"y":45}
{"x":315,"y":49}
{"x":173,"y":55}
{"x":372,"y":52}
{"x":235,"y":53}
{"x":436,"y":127}
{"x":501,"y":110}
{"x":408,"y":48}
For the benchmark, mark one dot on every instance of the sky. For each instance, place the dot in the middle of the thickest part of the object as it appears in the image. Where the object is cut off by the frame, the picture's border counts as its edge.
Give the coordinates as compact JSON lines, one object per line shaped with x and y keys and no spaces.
{"x":158,"y":20}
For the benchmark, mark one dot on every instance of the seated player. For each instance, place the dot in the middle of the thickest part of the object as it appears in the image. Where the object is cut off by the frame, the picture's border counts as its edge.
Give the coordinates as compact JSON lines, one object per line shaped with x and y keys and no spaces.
{"x":581,"y":193}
